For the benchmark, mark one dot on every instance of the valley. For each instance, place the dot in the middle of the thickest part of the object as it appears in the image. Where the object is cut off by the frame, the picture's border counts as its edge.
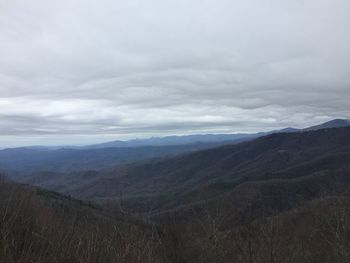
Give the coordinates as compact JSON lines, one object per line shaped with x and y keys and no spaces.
{"x":187,"y":203}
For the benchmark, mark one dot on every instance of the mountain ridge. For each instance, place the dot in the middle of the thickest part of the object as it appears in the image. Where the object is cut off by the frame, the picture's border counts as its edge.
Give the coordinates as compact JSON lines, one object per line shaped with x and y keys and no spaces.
{"x":170,"y":182}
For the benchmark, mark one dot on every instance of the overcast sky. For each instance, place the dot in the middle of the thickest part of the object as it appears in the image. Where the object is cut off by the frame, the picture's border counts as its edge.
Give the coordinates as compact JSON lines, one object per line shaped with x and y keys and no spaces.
{"x":80,"y":71}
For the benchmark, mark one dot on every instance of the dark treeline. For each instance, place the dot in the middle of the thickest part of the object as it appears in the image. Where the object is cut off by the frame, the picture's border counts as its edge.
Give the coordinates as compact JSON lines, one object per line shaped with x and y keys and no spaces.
{"x":41,"y":226}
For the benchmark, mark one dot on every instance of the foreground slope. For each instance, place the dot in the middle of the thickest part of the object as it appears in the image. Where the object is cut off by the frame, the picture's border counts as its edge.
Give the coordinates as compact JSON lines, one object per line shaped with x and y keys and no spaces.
{"x":42,"y":226}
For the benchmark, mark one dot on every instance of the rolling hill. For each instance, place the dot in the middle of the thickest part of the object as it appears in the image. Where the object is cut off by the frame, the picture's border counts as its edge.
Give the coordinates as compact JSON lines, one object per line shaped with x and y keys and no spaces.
{"x":187,"y":180}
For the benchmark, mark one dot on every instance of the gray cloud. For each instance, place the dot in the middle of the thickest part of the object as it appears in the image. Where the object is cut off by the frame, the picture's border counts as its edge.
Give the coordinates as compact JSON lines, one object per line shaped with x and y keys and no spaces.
{"x":97,"y":70}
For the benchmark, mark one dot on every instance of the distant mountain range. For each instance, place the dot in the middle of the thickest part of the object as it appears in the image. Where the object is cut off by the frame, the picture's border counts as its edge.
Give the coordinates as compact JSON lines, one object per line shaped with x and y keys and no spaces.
{"x":107,"y":155}
{"x":205,"y":138}
{"x":193,"y":139}
{"x":175,"y":140}
{"x":27,"y":160}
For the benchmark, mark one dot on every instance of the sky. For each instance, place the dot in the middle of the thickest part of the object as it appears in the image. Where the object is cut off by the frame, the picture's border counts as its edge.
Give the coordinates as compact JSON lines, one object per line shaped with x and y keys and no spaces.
{"x":83,"y":71}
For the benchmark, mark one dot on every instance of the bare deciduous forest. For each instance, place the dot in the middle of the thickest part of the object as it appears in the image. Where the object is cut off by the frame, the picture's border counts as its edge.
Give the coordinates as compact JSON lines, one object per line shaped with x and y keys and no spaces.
{"x":39,"y":226}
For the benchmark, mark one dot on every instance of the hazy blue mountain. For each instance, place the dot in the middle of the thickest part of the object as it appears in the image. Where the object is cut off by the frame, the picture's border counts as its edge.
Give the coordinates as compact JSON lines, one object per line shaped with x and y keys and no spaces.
{"x":174,"y":140}
{"x":195,"y":138}
{"x":286,"y":130}
{"x":106,"y":155}
{"x":28,"y":159}
{"x":208,"y":138}
{"x":187,"y":139}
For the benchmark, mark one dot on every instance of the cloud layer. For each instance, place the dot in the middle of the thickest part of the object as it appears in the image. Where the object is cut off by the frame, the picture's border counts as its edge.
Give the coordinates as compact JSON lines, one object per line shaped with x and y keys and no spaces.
{"x":87,"y":71}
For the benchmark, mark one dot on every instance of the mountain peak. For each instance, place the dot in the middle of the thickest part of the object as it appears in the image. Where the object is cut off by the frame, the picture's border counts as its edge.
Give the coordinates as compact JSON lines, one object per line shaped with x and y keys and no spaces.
{"x":336,"y":123}
{"x":289,"y":129}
